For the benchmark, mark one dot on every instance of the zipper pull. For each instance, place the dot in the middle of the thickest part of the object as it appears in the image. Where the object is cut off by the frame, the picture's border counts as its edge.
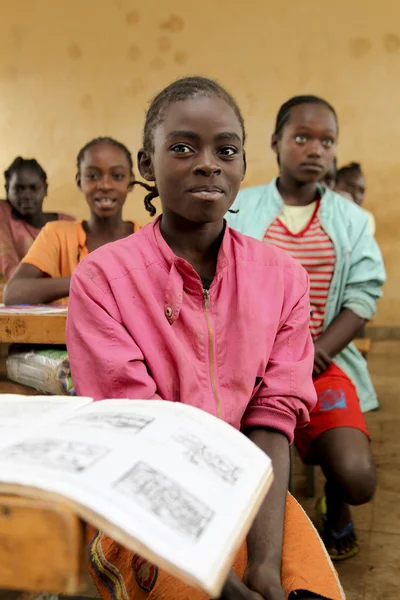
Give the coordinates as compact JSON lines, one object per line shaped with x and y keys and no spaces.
{"x":206,"y":296}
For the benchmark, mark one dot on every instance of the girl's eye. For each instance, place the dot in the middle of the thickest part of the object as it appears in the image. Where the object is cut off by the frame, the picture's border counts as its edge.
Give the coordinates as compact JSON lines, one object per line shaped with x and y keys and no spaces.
{"x":228,"y":151}
{"x":181,"y":149}
{"x":119,"y":176}
{"x":301,"y":139}
{"x":91,"y":176}
{"x":328,"y":142}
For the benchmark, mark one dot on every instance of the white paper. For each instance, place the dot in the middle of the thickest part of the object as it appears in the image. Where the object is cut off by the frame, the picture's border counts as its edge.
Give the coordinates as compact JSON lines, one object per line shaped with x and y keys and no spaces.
{"x":171,"y":476}
{"x":21,"y":413}
{"x":33,"y":310}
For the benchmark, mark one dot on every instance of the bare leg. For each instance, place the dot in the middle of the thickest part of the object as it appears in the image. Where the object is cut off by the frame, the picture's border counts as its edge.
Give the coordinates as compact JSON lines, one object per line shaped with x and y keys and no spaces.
{"x":345,"y":457}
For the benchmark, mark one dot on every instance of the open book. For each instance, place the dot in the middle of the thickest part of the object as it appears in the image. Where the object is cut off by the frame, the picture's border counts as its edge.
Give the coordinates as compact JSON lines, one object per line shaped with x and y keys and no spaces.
{"x":166,"y":480}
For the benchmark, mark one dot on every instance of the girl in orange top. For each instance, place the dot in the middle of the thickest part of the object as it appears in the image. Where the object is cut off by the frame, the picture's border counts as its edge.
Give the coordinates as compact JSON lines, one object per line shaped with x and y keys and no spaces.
{"x":105,"y":177}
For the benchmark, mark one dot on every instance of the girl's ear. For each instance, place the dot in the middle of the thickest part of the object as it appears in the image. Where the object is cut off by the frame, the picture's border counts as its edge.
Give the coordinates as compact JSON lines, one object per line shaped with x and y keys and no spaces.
{"x":145,"y":165}
{"x":78,"y":180}
{"x":275,"y":143}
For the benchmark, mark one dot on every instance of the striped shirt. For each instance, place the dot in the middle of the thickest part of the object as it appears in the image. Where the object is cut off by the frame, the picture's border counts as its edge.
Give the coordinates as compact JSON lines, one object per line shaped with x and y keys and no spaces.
{"x":313,"y":248}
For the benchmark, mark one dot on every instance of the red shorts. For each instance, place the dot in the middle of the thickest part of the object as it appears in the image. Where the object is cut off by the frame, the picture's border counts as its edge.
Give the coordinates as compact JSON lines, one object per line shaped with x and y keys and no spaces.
{"x":337,"y":406}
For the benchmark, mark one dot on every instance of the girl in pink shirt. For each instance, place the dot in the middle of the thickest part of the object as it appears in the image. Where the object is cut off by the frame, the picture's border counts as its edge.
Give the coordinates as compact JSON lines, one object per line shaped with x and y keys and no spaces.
{"x":21,"y":214}
{"x":191,"y":311}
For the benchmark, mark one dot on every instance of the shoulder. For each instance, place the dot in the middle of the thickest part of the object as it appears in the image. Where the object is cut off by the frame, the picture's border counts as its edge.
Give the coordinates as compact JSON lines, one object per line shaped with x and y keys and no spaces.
{"x":62,"y":228}
{"x":347,"y":209}
{"x":251,"y":196}
{"x":64,"y":217}
{"x":113,"y":261}
{"x":66,"y":226}
{"x":5,"y":209}
{"x":267,"y":257}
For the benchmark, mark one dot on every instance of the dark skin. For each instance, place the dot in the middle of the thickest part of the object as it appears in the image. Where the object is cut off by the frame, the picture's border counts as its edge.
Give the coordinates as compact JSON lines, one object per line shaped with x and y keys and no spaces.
{"x":26,"y":192}
{"x":198,"y":164}
{"x":329,"y":179}
{"x":352,"y":183}
{"x":306,"y":149}
{"x":105,"y":178}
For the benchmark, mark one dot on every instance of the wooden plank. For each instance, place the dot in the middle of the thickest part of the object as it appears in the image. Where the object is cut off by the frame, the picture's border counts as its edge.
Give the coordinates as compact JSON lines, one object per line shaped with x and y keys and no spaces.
{"x":363,"y":345}
{"x":42,"y":547}
{"x":32,"y":329}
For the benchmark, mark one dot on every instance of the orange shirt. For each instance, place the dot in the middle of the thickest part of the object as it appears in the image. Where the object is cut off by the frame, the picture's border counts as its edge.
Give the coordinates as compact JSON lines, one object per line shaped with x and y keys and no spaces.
{"x":59,"y":247}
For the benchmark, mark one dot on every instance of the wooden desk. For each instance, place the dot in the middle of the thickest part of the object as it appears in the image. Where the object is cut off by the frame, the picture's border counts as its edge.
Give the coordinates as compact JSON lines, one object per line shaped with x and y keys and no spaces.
{"x":48,"y":329}
{"x":42,"y":545}
{"x":32,"y":328}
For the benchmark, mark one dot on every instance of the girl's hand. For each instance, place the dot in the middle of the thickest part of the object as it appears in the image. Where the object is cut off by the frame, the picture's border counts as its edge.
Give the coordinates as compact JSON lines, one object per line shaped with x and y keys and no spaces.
{"x":235,"y":589}
{"x":322,"y":360}
{"x":265,"y":581}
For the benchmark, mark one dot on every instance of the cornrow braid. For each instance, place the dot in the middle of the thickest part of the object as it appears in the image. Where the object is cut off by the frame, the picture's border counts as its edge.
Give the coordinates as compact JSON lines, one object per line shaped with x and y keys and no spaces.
{"x":284,"y":111}
{"x":104,"y":140}
{"x":178,"y":91}
{"x":24,"y":163}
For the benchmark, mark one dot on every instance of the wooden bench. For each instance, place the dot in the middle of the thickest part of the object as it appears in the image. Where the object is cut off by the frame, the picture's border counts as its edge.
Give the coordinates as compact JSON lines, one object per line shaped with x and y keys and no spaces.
{"x":363,"y":345}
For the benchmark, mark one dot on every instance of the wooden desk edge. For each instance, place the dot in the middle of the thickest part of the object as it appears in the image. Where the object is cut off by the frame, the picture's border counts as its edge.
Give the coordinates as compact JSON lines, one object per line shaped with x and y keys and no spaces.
{"x":32,"y":329}
{"x":42,"y":547}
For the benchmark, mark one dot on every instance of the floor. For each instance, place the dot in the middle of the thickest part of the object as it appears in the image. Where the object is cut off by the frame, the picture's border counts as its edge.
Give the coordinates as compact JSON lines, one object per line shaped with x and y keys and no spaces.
{"x":374,"y":574}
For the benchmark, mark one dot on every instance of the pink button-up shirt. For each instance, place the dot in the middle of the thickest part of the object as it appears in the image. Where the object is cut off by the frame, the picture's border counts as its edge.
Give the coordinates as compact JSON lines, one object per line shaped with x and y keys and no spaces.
{"x":141,"y":326}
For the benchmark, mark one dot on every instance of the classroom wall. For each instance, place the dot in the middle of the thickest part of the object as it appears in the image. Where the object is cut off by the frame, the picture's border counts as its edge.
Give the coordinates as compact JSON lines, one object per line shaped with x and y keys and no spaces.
{"x":71,"y":70}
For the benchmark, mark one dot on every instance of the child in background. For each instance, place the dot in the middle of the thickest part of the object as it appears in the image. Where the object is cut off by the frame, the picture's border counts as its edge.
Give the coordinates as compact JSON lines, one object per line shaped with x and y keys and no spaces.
{"x":105,"y":177}
{"x":350,"y":181}
{"x":183,"y":311}
{"x":330,"y":237}
{"x":21,"y":214}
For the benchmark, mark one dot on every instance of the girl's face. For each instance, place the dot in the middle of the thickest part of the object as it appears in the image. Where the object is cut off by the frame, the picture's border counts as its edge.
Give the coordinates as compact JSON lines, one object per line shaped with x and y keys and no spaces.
{"x":26,"y":192}
{"x":306,"y":146}
{"x":198,"y":159}
{"x":105,"y":178}
{"x":353,"y":184}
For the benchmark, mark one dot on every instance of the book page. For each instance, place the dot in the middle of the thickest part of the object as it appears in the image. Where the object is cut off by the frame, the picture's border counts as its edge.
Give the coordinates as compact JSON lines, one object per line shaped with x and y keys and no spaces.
{"x":21,"y":413}
{"x":22,"y":309}
{"x":181,"y":482}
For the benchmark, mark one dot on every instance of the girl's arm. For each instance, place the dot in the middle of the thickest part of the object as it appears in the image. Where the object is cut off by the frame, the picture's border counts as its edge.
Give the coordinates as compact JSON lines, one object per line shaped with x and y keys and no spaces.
{"x":30,"y":285}
{"x":361,"y":293}
{"x":105,"y":360}
{"x":38,"y":279}
{"x":264,"y":541}
{"x":282,"y":402}
{"x":9,"y":259}
{"x":339,"y":334}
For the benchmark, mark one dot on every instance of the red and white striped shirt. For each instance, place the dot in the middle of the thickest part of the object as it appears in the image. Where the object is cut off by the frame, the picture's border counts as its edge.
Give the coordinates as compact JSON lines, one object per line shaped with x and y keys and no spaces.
{"x":313,"y":248}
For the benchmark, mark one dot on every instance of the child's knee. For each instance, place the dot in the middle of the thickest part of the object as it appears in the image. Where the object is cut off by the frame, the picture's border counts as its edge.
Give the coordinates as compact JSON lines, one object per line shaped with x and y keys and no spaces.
{"x":357,"y":476}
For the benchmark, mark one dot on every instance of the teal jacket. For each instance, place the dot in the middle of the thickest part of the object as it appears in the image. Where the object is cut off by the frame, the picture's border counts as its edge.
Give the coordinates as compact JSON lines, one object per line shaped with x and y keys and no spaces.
{"x":359,"y":270}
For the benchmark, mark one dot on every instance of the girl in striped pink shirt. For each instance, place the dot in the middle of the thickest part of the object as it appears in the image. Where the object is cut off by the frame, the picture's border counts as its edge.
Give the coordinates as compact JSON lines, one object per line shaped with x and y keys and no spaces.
{"x":295,"y":213}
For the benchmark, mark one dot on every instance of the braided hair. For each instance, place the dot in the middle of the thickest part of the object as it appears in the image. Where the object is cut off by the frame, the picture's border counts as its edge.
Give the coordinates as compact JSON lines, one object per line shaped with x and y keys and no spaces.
{"x":353,"y":167}
{"x":24,"y":163}
{"x":284,"y":111}
{"x":112,"y":142}
{"x":178,"y":91}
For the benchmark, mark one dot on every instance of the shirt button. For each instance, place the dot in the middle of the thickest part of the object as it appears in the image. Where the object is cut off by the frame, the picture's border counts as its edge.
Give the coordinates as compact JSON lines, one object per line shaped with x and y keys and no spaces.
{"x":168,"y":312}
